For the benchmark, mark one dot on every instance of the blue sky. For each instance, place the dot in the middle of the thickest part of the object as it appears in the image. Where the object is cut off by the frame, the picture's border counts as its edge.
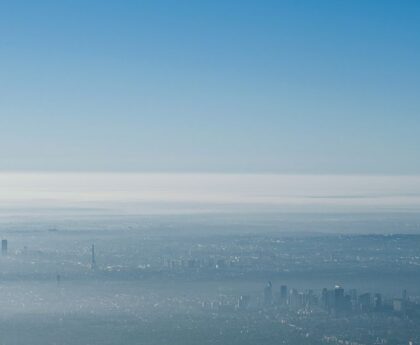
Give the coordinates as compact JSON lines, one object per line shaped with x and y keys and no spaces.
{"x":210,"y":86}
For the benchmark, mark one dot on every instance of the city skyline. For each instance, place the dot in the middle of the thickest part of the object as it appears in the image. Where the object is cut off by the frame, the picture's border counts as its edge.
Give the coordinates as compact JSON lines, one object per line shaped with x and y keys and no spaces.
{"x":212,"y":172}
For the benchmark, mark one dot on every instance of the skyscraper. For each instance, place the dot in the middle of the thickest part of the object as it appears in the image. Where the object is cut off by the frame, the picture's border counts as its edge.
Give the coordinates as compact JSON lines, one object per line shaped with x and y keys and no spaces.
{"x":295,"y":299}
{"x":338,"y":299}
{"x":283,"y":294}
{"x":4,"y":247}
{"x":268,"y":294}
{"x":377,"y":301}
{"x":365,"y":302}
{"x":93,"y":263}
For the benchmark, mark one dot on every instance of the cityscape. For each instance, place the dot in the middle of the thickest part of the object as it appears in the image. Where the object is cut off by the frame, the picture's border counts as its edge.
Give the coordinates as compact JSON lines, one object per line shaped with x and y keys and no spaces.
{"x":209,"y":172}
{"x":221,"y":287}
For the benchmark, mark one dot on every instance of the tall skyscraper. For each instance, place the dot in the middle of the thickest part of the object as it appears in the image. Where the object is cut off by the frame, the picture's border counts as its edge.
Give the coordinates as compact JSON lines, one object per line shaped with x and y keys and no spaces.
{"x":324,"y":298}
{"x":295,"y":299}
{"x":93,"y":263}
{"x":365,"y":302}
{"x":377,"y":301}
{"x":339,"y":299}
{"x":283,"y":294}
{"x":268,"y":294}
{"x":4,"y":247}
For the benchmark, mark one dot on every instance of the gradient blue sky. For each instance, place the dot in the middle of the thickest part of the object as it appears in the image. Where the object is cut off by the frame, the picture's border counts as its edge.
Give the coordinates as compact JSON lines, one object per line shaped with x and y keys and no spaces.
{"x":227,"y":86}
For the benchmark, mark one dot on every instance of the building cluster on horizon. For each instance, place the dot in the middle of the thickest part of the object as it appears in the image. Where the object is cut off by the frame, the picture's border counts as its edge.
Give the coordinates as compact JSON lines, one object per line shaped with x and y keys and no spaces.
{"x":335,"y":301}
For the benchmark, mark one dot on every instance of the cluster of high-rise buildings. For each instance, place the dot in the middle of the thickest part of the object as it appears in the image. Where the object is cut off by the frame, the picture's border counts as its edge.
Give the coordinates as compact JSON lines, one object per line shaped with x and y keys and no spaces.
{"x":280,"y":297}
{"x":336,"y":301}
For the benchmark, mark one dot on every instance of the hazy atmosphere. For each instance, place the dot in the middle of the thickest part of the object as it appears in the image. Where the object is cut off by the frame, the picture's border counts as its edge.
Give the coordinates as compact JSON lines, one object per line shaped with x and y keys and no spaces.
{"x":213,"y":172}
{"x":135,"y":193}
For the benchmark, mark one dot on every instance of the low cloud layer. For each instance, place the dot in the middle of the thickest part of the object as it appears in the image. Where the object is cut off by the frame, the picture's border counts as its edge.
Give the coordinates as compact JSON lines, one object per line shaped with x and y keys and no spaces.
{"x":131,"y":193}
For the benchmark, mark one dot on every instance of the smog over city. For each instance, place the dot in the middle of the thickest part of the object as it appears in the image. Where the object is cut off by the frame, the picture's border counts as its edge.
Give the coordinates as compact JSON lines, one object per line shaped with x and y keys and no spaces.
{"x":212,"y":172}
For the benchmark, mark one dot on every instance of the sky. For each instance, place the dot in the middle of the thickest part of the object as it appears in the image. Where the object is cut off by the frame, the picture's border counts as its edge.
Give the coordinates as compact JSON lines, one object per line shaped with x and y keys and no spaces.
{"x":288,"y":87}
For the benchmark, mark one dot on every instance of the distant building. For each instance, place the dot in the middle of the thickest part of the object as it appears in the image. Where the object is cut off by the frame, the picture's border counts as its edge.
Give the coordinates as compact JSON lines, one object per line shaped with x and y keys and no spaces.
{"x":93,"y":259}
{"x":268,"y":294}
{"x":339,"y":301}
{"x":365,"y":302}
{"x":353,"y":298}
{"x":295,"y":299}
{"x":348,"y":305}
{"x":4,"y":247}
{"x":324,"y":297}
{"x":338,"y":296}
{"x":377,"y":301}
{"x":310,"y":299}
{"x":328,"y":299}
{"x":283,"y":294}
